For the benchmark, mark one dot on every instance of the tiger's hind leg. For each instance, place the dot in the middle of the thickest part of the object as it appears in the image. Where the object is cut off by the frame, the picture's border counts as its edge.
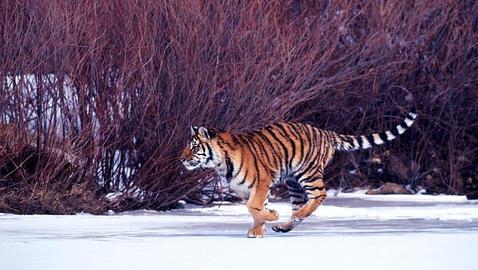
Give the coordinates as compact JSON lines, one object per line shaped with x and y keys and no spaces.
{"x":297,"y":199}
{"x":316,"y":194}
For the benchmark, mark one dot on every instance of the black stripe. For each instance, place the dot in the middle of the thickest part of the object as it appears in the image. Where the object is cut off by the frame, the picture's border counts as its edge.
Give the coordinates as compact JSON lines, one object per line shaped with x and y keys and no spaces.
{"x":404,"y":125}
{"x":220,"y":140}
{"x":286,"y":154}
{"x":370,"y":139}
{"x":340,"y":141}
{"x":359,"y":141}
{"x":293,"y":184}
{"x":289,"y":129}
{"x":253,"y":182}
{"x":312,"y":163}
{"x":353,"y":144}
{"x":209,"y":158}
{"x":311,"y":149}
{"x":282,"y":129}
{"x":323,"y":150}
{"x":312,"y":188}
{"x":305,"y":156}
{"x":276,"y":154}
{"x":383,"y":136}
{"x":299,"y":136}
{"x":240,"y":168}
{"x":349,"y":140}
{"x":230,"y":168}
{"x":211,"y":133}
{"x":292,"y":130}
{"x":409,"y":117}
{"x":394,"y":132}
{"x":299,"y":202}
{"x":220,"y":144}
{"x":321,"y":195}
{"x":306,"y":170}
{"x":250,"y":145}
{"x":257,"y":141}
{"x":234,"y":139}
{"x":273,"y":153}
{"x":311,"y":179}
{"x":247,"y":143}
{"x":413,"y":110}
{"x":243,"y":179}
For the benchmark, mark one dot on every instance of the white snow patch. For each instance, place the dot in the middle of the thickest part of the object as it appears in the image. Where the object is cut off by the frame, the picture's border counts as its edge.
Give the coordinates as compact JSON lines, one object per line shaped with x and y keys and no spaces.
{"x":439,"y":212}
{"x":345,"y":233}
{"x":360,"y":194}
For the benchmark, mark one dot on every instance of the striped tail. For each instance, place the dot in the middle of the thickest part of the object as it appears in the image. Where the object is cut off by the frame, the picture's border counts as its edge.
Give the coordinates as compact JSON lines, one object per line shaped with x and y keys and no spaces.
{"x":351,"y":143}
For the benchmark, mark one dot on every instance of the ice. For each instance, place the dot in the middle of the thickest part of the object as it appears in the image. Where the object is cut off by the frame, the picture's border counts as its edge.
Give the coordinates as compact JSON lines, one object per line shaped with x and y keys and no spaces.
{"x":351,"y":231}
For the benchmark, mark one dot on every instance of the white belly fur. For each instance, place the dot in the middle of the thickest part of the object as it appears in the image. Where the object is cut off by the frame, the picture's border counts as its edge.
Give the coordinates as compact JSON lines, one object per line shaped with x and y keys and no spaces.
{"x":242,"y":190}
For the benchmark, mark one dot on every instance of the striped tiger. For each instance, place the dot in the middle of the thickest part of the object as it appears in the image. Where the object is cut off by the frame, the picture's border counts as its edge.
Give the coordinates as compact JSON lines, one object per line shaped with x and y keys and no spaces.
{"x":292,"y":152}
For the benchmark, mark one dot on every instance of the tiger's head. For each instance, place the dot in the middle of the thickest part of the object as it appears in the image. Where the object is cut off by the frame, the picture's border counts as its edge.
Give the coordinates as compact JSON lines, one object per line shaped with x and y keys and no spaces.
{"x":200,"y":151}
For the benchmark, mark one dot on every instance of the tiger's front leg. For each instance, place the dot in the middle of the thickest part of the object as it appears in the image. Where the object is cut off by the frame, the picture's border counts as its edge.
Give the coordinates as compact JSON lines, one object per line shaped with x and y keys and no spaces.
{"x":259,"y":213}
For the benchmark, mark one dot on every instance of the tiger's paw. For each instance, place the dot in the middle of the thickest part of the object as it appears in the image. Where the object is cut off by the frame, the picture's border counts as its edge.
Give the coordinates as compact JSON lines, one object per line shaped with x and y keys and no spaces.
{"x":287,"y":226}
{"x":271,"y":215}
{"x":257,"y":232}
{"x":283,"y":228}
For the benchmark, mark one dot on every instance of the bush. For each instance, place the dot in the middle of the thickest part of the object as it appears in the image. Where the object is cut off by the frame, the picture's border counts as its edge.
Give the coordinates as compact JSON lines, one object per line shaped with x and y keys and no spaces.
{"x":102,"y":93}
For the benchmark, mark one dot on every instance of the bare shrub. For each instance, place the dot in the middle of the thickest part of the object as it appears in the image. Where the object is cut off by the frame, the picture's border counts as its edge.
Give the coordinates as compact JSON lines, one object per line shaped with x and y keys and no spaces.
{"x":102,"y":93}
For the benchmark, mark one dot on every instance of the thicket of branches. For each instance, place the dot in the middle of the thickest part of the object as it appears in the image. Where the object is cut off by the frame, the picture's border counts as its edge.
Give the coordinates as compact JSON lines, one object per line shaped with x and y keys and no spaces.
{"x":97,"y":97}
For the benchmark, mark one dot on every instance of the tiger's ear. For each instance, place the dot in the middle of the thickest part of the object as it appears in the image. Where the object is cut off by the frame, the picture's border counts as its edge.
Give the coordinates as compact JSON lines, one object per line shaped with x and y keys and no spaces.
{"x":194,"y":130}
{"x":209,"y":133}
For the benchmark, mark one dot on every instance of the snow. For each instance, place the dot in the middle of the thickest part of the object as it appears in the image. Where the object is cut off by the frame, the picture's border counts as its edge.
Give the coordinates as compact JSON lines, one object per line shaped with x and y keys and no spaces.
{"x":348,"y":231}
{"x":360,"y":194}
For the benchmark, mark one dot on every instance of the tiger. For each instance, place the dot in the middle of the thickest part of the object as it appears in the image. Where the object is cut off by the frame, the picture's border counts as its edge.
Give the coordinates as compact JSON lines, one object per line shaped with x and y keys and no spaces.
{"x":295,"y":153}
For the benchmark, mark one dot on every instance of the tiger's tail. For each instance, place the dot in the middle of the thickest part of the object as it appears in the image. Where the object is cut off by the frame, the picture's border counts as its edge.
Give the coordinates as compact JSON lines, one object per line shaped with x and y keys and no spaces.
{"x":351,"y":143}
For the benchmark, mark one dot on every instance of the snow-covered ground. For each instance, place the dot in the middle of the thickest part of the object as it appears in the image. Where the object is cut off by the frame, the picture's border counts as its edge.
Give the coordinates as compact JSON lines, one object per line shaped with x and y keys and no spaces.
{"x":351,"y":231}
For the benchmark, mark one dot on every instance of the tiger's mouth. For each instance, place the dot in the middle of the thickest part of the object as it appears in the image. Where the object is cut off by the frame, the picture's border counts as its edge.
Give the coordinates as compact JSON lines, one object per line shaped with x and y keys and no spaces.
{"x":191,"y":165}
